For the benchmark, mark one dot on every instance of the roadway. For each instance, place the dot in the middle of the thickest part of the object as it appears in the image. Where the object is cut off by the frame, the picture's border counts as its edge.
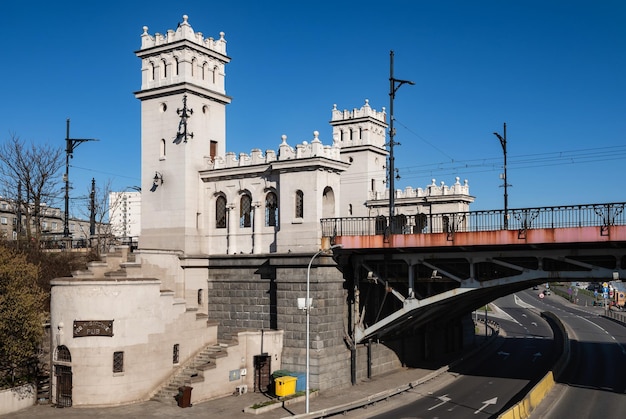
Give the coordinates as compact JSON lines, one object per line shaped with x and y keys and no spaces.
{"x":594,"y":382}
{"x":488,"y":384}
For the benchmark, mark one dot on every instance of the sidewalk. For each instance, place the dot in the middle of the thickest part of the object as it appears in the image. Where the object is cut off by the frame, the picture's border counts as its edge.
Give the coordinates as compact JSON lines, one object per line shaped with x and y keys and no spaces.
{"x":233,"y":406}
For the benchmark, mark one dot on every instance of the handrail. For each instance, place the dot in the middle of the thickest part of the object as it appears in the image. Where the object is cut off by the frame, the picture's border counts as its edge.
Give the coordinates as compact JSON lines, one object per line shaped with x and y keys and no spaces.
{"x":562,"y":216}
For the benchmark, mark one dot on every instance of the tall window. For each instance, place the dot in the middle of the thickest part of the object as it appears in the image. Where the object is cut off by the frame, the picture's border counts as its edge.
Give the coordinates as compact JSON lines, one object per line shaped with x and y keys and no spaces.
{"x":245,"y":211}
{"x":176,"y":353}
{"x":164,"y":64}
{"x":220,"y":212}
{"x":271,"y":210}
{"x":118,"y":361}
{"x":299,"y":204}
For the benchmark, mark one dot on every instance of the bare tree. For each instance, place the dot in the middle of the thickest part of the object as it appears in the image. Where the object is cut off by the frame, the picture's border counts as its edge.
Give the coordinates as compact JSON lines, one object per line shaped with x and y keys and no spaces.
{"x":30,"y":179}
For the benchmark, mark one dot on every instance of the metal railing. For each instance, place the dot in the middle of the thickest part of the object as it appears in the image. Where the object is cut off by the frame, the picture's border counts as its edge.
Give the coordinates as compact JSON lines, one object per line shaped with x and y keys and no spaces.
{"x":587,"y":215}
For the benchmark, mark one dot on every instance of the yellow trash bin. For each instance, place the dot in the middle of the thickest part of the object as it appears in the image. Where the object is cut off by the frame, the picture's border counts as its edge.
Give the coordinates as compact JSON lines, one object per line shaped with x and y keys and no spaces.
{"x":285,"y":386}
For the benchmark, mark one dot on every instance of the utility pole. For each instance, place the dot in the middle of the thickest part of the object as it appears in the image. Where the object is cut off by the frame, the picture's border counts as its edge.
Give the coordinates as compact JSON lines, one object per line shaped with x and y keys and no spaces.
{"x":506,"y":183}
{"x":70,"y":146}
{"x":394,"y":85}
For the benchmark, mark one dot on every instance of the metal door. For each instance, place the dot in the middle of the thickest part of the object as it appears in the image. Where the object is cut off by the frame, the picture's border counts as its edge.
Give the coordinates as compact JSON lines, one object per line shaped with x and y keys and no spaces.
{"x":262,"y":364}
{"x":63,"y":374}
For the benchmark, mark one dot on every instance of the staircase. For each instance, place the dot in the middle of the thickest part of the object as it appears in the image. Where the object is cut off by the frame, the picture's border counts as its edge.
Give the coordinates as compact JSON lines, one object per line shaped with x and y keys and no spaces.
{"x":192,"y":371}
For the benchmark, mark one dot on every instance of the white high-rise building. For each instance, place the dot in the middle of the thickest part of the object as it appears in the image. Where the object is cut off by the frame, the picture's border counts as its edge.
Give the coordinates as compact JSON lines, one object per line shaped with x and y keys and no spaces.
{"x":125,"y":215}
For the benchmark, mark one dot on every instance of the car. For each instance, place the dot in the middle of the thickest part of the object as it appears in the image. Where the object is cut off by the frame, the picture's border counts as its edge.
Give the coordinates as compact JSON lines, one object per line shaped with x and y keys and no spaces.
{"x":546,"y":292}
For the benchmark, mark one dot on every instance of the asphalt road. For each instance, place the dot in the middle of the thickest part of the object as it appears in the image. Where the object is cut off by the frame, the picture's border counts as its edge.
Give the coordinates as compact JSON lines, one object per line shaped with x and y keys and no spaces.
{"x":490,"y":384}
{"x":594,"y":383}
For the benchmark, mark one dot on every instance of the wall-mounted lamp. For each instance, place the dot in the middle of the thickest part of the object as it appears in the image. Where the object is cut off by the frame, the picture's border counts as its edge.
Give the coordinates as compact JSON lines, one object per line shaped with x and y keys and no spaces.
{"x":156,"y":181}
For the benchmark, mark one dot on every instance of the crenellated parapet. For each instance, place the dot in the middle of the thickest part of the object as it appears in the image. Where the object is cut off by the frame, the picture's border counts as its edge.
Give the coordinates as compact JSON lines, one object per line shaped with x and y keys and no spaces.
{"x":432,"y":190}
{"x":359,"y":127}
{"x":183,"y":56}
{"x":303,"y":150}
{"x":183,"y":31}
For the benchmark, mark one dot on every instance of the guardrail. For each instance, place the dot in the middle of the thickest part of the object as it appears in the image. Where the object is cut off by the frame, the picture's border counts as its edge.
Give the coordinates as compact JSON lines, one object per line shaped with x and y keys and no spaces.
{"x":585,"y":215}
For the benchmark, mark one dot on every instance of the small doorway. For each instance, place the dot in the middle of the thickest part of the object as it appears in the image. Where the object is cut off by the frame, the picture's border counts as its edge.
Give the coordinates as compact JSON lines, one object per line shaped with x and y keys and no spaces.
{"x":63,"y":374}
{"x":262,"y":368}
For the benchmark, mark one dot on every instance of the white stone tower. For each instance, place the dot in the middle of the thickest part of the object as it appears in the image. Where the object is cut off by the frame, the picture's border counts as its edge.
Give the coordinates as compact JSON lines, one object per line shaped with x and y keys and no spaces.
{"x":183,"y":124}
{"x":360,"y":133}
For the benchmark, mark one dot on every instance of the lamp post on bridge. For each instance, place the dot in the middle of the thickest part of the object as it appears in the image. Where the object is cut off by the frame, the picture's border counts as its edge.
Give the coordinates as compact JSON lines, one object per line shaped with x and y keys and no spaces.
{"x":394,"y":85}
{"x":307,"y":307}
{"x":506,"y":183}
{"x":70,"y":146}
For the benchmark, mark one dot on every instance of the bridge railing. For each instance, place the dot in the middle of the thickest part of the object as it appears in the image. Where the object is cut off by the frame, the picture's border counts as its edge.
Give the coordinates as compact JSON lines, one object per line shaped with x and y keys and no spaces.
{"x":586,"y":215}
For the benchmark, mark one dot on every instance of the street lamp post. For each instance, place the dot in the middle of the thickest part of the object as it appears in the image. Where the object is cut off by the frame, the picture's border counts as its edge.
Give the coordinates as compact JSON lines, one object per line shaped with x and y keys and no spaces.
{"x":70,"y":146}
{"x":394,"y":85}
{"x":506,"y":183}
{"x":307,"y":305}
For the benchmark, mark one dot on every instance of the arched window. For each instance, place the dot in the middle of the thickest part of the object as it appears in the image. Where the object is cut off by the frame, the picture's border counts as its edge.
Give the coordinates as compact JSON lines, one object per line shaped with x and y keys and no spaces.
{"x":271,"y":210}
{"x":162,"y":153}
{"x":63,"y":354}
{"x":177,"y":66}
{"x":194,"y":62}
{"x":152,"y":71}
{"x":245,"y":211}
{"x":328,"y":202}
{"x":164,"y":64}
{"x":220,"y":212}
{"x":214,"y":74}
{"x":204,"y":70}
{"x":299,"y":204}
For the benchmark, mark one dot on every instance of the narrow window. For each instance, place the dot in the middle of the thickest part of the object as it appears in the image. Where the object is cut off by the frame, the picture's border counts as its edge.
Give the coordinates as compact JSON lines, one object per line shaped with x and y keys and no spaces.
{"x":299,"y":204}
{"x":214,"y":74}
{"x":177,"y":67}
{"x":200,"y":297}
{"x":152,"y":72}
{"x":164,"y":68}
{"x":220,"y":212}
{"x":271,"y":210}
{"x":193,"y":66}
{"x":204,"y":70}
{"x":351,"y":134}
{"x":162,"y":148}
{"x":245,"y":211}
{"x":446,"y":223}
{"x":373,"y":187}
{"x":118,"y":361}
{"x":213,"y":150}
{"x":176,"y":353}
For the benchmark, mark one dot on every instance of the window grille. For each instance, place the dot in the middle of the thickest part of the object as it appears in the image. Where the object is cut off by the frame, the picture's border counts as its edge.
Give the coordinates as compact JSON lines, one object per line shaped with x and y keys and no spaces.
{"x":176,"y":353}
{"x":118,"y":361}
{"x":299,"y":204}
{"x":220,"y":212}
{"x":271,"y":210}
{"x":245,"y":212}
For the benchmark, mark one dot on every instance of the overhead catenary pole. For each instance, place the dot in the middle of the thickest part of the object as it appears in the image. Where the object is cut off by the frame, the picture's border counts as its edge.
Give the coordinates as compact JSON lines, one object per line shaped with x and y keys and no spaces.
{"x":394,"y":85}
{"x":70,"y":146}
{"x":506,"y":179}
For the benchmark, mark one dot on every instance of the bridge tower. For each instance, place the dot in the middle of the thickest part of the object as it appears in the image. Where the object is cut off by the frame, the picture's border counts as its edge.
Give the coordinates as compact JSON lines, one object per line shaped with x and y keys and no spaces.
{"x":361,"y":135}
{"x":183,"y":125}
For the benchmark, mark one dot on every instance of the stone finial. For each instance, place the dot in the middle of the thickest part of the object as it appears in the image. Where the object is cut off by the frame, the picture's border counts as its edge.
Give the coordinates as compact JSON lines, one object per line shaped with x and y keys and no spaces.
{"x":185,"y":18}
{"x":316,"y":135}
{"x":222,"y":37}
{"x":457,"y":180}
{"x":284,"y":138}
{"x":367,"y":103}
{"x":145,"y":30}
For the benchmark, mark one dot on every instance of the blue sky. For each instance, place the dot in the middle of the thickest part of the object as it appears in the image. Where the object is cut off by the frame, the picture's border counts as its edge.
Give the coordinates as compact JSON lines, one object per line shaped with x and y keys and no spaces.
{"x":554,"y":71}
